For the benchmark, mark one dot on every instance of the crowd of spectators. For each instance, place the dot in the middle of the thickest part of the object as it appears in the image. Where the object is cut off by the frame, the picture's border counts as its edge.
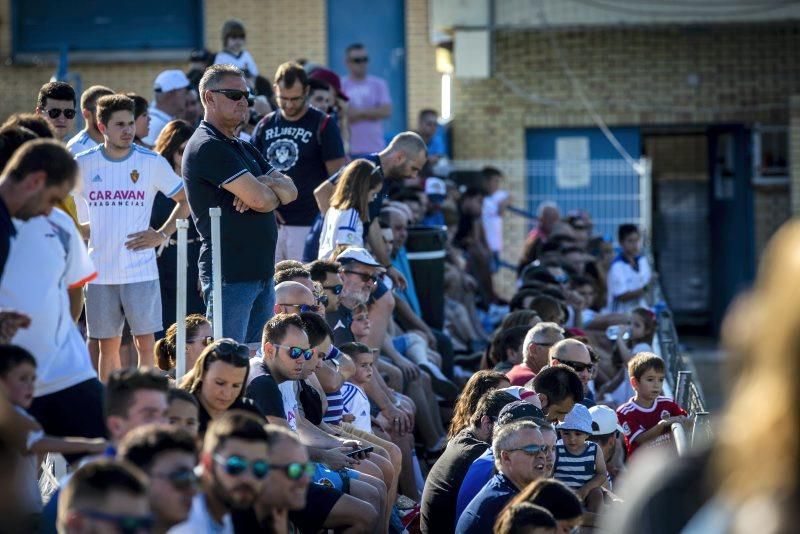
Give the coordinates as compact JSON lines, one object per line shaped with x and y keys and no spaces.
{"x":331,"y":401}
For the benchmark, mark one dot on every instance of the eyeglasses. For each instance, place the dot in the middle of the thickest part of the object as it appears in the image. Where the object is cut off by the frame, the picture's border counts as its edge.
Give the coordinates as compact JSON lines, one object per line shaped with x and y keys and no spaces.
{"x":296,"y":470}
{"x":302,"y":307}
{"x":292,"y":99}
{"x":55,"y":113}
{"x":543,"y":344}
{"x":578,"y":366}
{"x":233,"y":94}
{"x":533,"y":450}
{"x":296,"y":352}
{"x":334,"y":289}
{"x":207,"y":340}
{"x":126,"y":524}
{"x":366,"y":278}
{"x":360,"y":59}
{"x":181,"y":480}
{"x":227,"y":348}
{"x":236,"y":465}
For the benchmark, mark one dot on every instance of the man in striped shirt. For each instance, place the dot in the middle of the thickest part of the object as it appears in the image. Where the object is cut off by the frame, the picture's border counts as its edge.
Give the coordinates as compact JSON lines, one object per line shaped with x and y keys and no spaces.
{"x":120,"y":181}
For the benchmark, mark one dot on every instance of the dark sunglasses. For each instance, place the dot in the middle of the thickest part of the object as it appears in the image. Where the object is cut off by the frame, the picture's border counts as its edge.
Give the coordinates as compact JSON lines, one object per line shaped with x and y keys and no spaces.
{"x":304,"y":308}
{"x":578,"y":366}
{"x":334,"y":289}
{"x":296,"y":470}
{"x":234,"y":94}
{"x":236,"y":465}
{"x":181,"y":480}
{"x":360,"y":59}
{"x":533,"y":450}
{"x":322,"y":299}
{"x":125,"y":524}
{"x":55,"y":113}
{"x":296,"y":352}
{"x":366,"y":278}
{"x":231,"y":351}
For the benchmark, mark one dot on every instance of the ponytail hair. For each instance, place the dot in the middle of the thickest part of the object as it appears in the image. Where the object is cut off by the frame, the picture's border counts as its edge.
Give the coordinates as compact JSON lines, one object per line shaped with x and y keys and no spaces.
{"x":165,"y":350}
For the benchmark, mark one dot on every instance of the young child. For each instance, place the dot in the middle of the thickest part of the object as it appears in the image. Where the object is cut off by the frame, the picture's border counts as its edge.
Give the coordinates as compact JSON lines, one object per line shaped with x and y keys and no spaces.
{"x":647,"y":416}
{"x":183,"y":411}
{"x":354,"y":399}
{"x":17,"y":379}
{"x":580,"y":463}
{"x":641,"y":329}
{"x":234,"y":39}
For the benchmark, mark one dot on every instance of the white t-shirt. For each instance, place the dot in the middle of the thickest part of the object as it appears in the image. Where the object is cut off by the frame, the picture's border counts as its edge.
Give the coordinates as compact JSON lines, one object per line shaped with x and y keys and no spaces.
{"x":120,"y":195}
{"x":244,"y":61}
{"x":493,"y":221}
{"x":80,"y":142}
{"x":341,"y":227}
{"x":158,"y":119}
{"x":46,"y":258}
{"x":355,"y":401}
{"x":200,"y":520}
{"x":289,"y":394}
{"x":623,"y":278}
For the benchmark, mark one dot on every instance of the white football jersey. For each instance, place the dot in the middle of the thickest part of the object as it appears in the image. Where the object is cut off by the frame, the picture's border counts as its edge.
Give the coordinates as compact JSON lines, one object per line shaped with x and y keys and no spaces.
{"x":119,"y":195}
{"x":80,"y":142}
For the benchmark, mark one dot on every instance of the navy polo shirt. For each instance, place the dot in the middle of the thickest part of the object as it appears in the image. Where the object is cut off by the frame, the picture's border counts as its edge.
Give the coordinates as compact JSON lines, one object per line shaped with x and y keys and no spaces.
{"x":210,"y":161}
{"x":482,"y":512}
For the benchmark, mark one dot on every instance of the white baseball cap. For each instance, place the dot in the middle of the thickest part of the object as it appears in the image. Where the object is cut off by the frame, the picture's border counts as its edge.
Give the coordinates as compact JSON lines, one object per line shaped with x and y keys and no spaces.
{"x":578,"y":419}
{"x":170,"y":80}
{"x":604,"y":420}
{"x":435,"y":186}
{"x":357,"y":254}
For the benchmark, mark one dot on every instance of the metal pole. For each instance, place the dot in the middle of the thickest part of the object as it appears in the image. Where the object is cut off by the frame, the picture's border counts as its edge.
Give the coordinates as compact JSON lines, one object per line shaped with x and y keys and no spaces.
{"x":682,"y":387}
{"x":216,"y":271}
{"x":180,"y":300}
{"x":701,"y":433}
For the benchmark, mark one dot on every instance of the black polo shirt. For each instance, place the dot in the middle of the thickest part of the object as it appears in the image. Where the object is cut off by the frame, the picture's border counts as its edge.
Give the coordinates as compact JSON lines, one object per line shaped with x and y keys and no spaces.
{"x":7,"y":231}
{"x":211,"y":160}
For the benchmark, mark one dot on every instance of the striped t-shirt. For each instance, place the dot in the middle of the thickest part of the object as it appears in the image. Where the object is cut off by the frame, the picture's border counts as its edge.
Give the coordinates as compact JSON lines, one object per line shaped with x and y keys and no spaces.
{"x":575,"y":470}
{"x":333,"y":415}
{"x":356,"y":402}
{"x":81,"y":142}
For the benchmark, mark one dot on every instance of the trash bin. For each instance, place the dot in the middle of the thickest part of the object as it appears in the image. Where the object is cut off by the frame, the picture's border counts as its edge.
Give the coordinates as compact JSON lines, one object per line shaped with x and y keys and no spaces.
{"x":426,"y":251}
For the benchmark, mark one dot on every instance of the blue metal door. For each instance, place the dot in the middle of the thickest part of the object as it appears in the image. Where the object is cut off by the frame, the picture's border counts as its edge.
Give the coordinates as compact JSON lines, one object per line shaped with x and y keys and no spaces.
{"x":732,"y":220}
{"x":380,"y":26}
{"x":580,"y":170}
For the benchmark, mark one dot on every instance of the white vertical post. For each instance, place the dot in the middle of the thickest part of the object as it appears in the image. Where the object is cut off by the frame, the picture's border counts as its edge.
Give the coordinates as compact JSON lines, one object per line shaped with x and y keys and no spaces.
{"x":216,"y":271}
{"x":646,"y":202}
{"x":180,"y":300}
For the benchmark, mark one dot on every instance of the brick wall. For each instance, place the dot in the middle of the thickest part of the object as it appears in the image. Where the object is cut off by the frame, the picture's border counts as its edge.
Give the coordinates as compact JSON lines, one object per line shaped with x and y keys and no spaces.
{"x":634,"y":76}
{"x":423,"y":83}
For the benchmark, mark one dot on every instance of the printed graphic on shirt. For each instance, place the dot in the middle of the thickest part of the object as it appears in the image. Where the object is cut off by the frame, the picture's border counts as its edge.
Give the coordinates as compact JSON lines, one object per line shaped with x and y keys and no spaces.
{"x":283,"y":154}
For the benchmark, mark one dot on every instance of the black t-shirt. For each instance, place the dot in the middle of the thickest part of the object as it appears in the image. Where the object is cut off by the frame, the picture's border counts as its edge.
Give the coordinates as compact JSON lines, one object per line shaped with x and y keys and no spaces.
{"x":438,"y":505}
{"x":263,"y":389}
{"x":212,"y":159}
{"x":242,"y":403}
{"x":340,"y":321}
{"x":7,"y":231}
{"x":311,"y":403}
{"x":300,"y":149}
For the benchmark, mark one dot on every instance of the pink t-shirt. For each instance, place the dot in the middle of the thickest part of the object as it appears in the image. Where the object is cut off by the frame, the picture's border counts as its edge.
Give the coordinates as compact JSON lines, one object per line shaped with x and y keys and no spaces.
{"x":366,"y":136}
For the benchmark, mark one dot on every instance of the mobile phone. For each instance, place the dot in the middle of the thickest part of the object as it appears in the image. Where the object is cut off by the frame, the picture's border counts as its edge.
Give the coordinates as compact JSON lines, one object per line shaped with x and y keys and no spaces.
{"x":359,"y":452}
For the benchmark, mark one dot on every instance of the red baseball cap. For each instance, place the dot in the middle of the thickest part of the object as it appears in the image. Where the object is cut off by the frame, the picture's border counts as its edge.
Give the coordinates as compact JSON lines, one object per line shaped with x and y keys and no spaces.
{"x":331,"y":78}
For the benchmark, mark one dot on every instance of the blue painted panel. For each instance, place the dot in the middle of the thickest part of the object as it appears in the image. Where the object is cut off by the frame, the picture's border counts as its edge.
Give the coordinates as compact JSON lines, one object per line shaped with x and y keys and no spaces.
{"x":612,"y":195}
{"x":89,"y":25}
{"x":380,"y":26}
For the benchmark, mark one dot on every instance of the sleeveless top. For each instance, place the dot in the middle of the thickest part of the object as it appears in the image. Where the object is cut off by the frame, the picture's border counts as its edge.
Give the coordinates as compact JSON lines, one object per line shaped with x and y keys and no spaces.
{"x":575,"y":470}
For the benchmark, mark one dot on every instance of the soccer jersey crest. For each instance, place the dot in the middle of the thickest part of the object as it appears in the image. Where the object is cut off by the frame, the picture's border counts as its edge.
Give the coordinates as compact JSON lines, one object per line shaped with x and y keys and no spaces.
{"x":134,"y":176}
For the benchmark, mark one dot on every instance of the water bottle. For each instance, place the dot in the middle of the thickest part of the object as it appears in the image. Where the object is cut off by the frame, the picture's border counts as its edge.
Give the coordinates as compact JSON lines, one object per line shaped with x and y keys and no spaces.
{"x":612,"y":333}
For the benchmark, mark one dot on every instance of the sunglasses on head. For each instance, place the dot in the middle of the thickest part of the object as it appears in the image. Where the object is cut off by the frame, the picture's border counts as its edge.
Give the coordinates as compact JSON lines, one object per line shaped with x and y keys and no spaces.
{"x":360,"y":59}
{"x":532,"y":450}
{"x":125,"y":524}
{"x":55,"y":113}
{"x":234,"y":94}
{"x":296,"y":352}
{"x":236,"y":465}
{"x":181,"y":480}
{"x":578,"y":366}
{"x":366,"y":278}
{"x":296,"y":470}
{"x":334,"y":289}
{"x":230,"y":349}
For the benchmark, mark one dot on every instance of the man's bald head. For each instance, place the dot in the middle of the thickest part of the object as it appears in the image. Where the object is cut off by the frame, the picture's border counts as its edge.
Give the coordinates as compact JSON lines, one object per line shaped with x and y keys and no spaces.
{"x":570,"y":350}
{"x":293,"y":294}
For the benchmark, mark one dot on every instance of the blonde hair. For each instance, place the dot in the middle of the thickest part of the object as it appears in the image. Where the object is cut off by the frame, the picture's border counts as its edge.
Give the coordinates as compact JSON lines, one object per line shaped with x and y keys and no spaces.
{"x":761,"y":458}
{"x":352,"y":190}
{"x":164,"y":351}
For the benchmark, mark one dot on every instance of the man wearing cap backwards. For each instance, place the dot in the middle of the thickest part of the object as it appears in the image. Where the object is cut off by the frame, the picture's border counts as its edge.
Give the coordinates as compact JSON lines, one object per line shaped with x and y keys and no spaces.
{"x":304,"y":143}
{"x":520,"y":457}
{"x":169,"y":101}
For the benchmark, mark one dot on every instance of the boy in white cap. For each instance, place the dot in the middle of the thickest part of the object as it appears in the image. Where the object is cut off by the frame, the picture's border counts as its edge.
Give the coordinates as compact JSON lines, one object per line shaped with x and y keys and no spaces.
{"x":169,"y":101}
{"x":606,"y":432}
{"x":580,"y":464}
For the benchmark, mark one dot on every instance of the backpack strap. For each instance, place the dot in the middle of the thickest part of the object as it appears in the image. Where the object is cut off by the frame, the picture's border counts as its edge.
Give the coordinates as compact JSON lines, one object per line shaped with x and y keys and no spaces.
{"x":321,"y":128}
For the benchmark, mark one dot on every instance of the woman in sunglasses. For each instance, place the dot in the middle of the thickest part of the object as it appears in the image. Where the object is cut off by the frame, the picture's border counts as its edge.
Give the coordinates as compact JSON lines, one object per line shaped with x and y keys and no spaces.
{"x":198,"y":337}
{"x":349,"y":207}
{"x":218,"y":380}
